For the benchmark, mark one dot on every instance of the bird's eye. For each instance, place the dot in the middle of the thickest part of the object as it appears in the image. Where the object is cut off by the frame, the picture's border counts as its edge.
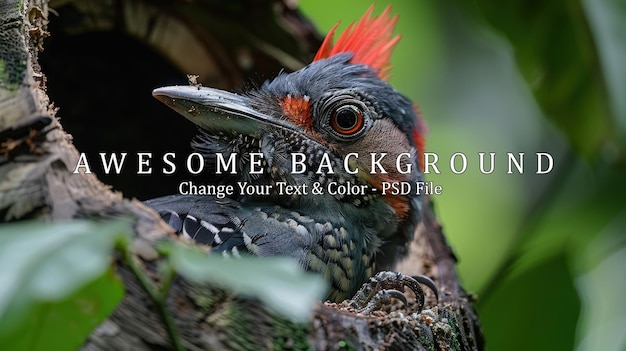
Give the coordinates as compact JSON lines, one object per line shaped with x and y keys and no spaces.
{"x":347,"y":120}
{"x":343,"y":115}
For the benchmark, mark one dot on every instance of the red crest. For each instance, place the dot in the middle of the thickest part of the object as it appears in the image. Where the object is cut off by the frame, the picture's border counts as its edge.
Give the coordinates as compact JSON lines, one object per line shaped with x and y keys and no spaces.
{"x":371,"y":41}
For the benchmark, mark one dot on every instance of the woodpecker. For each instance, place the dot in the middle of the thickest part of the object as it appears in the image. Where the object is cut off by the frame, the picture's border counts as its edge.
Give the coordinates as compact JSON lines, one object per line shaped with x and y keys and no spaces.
{"x":338,"y":107}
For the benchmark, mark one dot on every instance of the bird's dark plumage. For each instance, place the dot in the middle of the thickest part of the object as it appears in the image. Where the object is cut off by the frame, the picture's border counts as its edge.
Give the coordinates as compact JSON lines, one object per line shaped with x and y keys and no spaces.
{"x":331,"y":110}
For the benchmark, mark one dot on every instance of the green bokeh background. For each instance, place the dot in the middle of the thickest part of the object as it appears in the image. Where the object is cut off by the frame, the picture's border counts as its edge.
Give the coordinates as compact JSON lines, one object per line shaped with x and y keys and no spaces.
{"x":544,"y":253}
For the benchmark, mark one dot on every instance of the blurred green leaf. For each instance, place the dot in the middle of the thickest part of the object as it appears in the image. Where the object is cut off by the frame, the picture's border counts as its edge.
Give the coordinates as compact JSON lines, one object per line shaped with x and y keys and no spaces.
{"x":602,"y":290}
{"x":65,"y":324}
{"x":536,"y":310}
{"x":588,"y":203}
{"x":608,"y":24}
{"x":278,"y":282}
{"x":557,"y":55}
{"x":43,"y":264}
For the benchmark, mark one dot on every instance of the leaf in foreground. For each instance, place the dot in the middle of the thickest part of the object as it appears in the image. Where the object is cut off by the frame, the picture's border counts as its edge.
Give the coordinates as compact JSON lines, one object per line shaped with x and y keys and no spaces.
{"x":278,"y":282}
{"x":43,"y":267}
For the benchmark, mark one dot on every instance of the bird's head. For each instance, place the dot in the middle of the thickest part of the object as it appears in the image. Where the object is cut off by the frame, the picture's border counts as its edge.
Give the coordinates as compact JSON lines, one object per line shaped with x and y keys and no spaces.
{"x":339,"y":105}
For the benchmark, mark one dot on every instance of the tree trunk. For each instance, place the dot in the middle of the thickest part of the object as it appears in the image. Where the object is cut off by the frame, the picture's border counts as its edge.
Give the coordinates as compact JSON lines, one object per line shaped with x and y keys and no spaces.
{"x":37,"y":158}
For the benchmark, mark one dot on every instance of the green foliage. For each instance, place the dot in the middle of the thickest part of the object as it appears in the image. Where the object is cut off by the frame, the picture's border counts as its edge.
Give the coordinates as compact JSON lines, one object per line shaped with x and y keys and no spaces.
{"x":545,"y":253}
{"x":56,"y":286}
{"x":278,"y":282}
{"x":571,"y":70}
{"x":527,"y":302}
{"x":561,"y":65}
{"x":64,"y":325}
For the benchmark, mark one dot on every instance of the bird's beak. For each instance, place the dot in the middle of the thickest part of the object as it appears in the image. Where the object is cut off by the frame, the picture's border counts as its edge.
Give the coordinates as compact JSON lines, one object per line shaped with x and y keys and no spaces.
{"x":214,"y":109}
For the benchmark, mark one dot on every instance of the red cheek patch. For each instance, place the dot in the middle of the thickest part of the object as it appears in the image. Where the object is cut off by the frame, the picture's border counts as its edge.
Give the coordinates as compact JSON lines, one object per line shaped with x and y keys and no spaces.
{"x":298,"y":110}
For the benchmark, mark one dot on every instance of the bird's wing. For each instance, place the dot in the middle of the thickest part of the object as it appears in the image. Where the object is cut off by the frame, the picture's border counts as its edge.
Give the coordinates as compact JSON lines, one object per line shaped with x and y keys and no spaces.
{"x":232,"y":228}
{"x":204,"y":219}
